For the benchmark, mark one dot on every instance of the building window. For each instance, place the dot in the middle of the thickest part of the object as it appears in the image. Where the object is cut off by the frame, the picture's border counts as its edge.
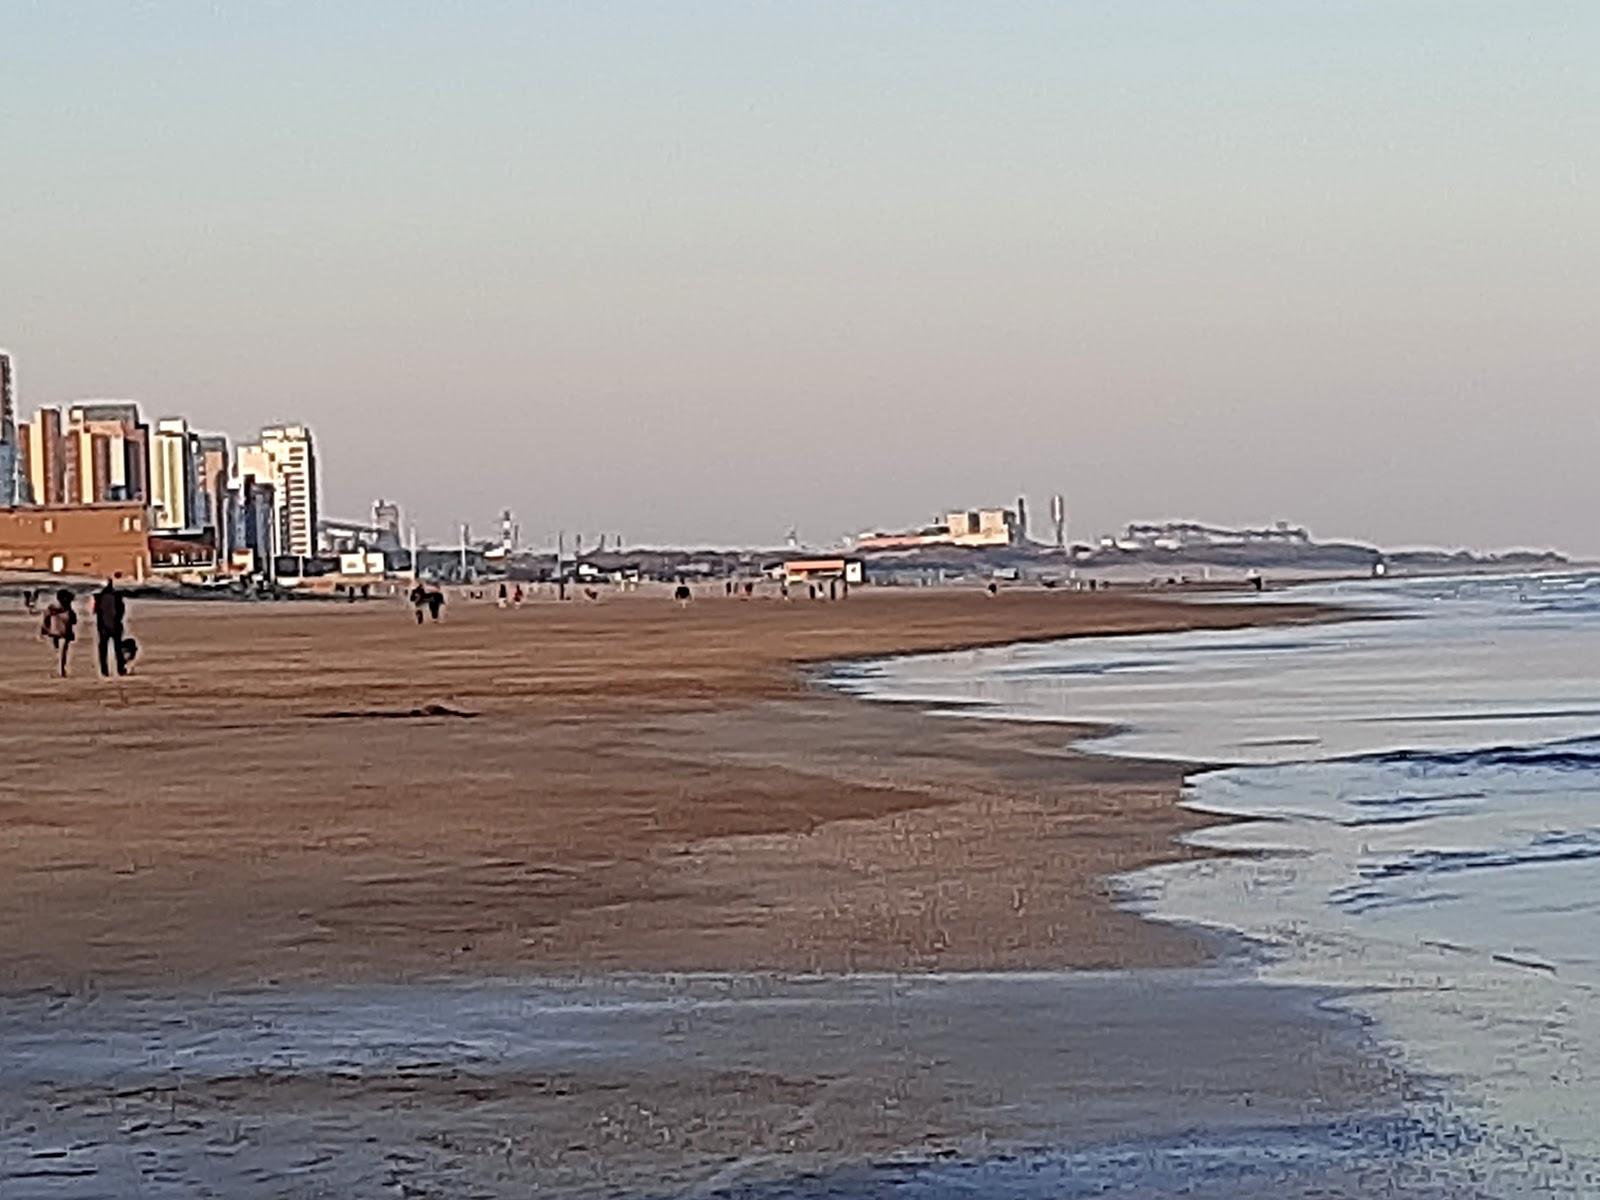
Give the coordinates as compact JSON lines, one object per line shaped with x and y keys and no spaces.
{"x":49,"y":524}
{"x":58,"y":563}
{"x":127,"y":524}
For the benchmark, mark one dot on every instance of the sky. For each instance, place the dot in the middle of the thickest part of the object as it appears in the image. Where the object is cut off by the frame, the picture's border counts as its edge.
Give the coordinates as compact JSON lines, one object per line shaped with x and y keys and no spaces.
{"x":703,"y":272}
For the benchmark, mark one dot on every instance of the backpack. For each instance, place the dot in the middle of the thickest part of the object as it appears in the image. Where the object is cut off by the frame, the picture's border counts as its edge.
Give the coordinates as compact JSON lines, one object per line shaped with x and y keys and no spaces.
{"x":57,"y":622}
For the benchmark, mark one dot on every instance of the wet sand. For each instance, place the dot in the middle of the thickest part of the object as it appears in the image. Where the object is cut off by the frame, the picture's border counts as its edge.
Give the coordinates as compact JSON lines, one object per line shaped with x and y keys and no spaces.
{"x":649,"y":1087}
{"x":321,"y":903}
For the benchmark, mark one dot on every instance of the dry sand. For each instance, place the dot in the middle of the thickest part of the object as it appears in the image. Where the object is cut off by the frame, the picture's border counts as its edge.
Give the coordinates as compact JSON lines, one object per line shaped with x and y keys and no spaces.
{"x":639,"y":787}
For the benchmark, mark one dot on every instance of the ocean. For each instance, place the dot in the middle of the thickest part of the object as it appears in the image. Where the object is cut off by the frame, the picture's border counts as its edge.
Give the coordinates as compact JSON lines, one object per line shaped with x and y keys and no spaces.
{"x":1419,"y":791}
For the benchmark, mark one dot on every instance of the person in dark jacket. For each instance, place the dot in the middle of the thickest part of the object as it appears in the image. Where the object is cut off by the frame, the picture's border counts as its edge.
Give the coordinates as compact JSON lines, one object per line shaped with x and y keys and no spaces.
{"x":110,"y":613}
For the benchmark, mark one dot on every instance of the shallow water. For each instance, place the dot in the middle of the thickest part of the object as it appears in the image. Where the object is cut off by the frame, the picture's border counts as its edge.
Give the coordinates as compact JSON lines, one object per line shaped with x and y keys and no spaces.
{"x":1429,"y":784}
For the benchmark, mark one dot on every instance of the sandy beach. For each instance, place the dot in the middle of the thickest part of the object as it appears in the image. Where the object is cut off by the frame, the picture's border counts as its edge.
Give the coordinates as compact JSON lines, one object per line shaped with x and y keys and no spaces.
{"x":626,"y":786}
{"x":607,"y":899}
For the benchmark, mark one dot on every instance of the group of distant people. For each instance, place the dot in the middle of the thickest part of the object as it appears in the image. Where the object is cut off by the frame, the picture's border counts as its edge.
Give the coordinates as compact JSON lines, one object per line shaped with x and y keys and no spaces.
{"x":60,"y":627}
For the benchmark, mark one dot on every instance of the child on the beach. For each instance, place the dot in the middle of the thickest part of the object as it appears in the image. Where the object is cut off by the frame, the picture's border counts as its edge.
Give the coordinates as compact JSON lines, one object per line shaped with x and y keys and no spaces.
{"x":60,"y":626}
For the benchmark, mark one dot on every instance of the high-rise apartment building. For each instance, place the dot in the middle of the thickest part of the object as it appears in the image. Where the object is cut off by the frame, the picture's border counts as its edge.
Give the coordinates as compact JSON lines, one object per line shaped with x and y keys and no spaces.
{"x":47,"y":458}
{"x":24,"y":486}
{"x":286,"y":458}
{"x":107,"y":453}
{"x":174,"y":481}
{"x":252,"y":526}
{"x":8,"y":431}
{"x":211,"y":455}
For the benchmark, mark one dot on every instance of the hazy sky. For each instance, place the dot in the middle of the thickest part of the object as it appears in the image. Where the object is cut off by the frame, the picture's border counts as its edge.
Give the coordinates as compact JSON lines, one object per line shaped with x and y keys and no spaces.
{"x":709,"y":270}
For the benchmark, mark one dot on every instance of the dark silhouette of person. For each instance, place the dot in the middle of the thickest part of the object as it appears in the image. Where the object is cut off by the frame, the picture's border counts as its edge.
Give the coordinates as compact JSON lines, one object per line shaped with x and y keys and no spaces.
{"x":110,"y":612}
{"x":60,"y":626}
{"x":681,"y":594}
{"x":435,"y":604}
{"x":419,"y":599}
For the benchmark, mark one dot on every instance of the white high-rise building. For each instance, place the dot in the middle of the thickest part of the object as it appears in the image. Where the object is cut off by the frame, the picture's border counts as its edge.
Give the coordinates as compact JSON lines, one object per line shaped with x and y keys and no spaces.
{"x":286,"y":458}
{"x":174,"y":503}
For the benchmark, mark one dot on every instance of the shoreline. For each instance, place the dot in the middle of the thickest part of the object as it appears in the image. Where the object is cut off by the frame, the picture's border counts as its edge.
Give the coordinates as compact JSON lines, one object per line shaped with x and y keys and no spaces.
{"x":793,"y":941}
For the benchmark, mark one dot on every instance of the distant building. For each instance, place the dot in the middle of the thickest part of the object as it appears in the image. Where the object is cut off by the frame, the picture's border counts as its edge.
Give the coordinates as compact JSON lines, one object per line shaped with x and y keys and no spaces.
{"x":47,"y":460}
{"x":252,"y":527}
{"x":972,"y":527}
{"x":821,"y":570}
{"x":1190,"y":535}
{"x":286,"y":458}
{"x":96,"y":541}
{"x":8,"y":431}
{"x":346,"y":537}
{"x":386,"y":516}
{"x":212,"y":462}
{"x":23,"y":494}
{"x":983,"y":527}
{"x":175,"y":477}
{"x":107,"y":453}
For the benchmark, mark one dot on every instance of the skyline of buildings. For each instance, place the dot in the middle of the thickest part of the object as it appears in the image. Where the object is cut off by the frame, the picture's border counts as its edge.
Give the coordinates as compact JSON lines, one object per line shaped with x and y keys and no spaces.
{"x":240,"y":507}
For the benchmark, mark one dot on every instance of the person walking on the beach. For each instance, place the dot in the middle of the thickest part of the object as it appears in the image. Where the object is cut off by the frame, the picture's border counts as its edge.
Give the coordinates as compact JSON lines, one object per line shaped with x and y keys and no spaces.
{"x":503,"y":595}
{"x":60,"y":626}
{"x":110,"y":612}
{"x":419,"y":600}
{"x":435,"y":604}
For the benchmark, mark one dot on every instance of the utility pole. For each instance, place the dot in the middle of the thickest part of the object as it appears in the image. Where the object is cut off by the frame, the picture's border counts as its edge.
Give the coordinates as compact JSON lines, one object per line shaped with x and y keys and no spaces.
{"x":464,"y":534}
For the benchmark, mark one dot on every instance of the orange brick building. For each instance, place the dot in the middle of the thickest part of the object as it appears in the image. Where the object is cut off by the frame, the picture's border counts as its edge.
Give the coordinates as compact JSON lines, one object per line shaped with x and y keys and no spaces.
{"x":100,"y":541}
